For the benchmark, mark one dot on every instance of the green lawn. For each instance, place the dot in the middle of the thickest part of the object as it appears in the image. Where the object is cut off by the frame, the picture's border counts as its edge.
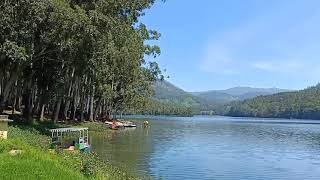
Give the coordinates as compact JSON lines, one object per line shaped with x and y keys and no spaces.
{"x":37,"y":162}
{"x":32,"y":163}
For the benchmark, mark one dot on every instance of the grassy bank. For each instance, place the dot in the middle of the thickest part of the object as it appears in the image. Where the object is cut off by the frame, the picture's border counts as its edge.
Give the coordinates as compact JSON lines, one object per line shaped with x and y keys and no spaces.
{"x":32,"y":163}
{"x":35,"y":161}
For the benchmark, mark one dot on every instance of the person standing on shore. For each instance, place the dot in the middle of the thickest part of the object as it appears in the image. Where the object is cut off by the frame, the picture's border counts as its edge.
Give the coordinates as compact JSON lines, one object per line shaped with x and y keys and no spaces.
{"x":146,"y":123}
{"x":114,"y":124}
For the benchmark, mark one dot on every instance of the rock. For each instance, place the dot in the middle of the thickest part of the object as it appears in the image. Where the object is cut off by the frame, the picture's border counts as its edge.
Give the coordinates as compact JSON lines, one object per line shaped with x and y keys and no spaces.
{"x":15,"y":152}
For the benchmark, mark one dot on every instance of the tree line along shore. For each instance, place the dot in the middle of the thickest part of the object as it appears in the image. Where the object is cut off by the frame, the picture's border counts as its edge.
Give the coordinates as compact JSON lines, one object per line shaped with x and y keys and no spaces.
{"x":75,"y":60}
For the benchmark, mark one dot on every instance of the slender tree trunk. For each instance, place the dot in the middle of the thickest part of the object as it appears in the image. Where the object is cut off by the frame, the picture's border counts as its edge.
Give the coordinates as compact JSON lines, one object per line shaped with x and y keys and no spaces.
{"x":36,"y":109}
{"x":75,"y":99}
{"x":103,"y":109}
{"x":42,"y":112}
{"x":14,"y":105}
{"x":27,"y":112}
{"x":6,"y":91}
{"x":97,"y":108}
{"x":68,"y":99}
{"x":74,"y":107}
{"x":18,"y":105}
{"x":82,"y":105}
{"x":66,"y":109}
{"x":42,"y":105}
{"x":14,"y":100}
{"x":88,"y":103}
{"x":57,"y":110}
{"x":91,"y":118}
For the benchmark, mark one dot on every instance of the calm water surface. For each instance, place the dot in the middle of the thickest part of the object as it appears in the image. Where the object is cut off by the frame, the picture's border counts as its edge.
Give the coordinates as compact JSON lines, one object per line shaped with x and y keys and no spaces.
{"x":216,"y":148}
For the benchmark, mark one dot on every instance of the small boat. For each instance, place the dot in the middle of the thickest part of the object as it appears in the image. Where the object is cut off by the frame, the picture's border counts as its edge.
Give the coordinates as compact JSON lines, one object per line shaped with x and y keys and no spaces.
{"x":128,"y":124}
{"x":120,"y":124}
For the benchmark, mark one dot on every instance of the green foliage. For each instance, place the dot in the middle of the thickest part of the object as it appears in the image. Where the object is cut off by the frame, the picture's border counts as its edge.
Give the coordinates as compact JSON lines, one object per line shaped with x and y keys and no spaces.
{"x":304,"y":104}
{"x":76,"y":55}
{"x":29,"y":136}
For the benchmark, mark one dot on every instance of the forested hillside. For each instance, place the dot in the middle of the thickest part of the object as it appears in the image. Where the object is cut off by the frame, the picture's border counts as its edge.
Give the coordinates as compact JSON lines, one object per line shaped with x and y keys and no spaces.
{"x":171,"y":100}
{"x":165,"y":91}
{"x":70,"y":59}
{"x":236,"y":94}
{"x":303,"y":104}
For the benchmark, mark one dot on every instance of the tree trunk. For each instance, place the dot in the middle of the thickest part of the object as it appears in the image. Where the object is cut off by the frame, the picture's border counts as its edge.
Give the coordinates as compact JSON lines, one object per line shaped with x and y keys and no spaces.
{"x":6,"y":91}
{"x":27,"y":112}
{"x":103,"y":109}
{"x":82,"y":105}
{"x":57,"y":111}
{"x":74,"y":107}
{"x":66,"y":109}
{"x":18,"y":105}
{"x":97,"y":108}
{"x":14,"y":105}
{"x":68,"y":101}
{"x":91,"y":104}
{"x":42,"y":112}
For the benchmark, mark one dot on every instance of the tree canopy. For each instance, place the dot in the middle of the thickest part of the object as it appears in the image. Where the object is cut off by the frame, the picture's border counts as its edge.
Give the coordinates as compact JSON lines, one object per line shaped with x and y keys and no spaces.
{"x":75,"y":59}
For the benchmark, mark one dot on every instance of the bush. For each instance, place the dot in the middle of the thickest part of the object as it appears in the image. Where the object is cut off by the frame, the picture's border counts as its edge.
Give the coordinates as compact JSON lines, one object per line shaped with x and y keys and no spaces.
{"x":29,"y":136}
{"x":6,"y":146}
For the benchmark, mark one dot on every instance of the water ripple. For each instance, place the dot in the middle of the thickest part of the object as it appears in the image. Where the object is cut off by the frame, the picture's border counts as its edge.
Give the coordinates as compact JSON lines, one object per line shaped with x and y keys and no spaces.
{"x":217,"y":148}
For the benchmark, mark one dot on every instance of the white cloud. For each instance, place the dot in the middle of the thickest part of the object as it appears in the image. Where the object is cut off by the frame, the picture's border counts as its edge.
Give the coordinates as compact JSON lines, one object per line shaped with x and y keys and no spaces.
{"x":278,"y":42}
{"x":280,"y":66}
{"x":217,"y":60}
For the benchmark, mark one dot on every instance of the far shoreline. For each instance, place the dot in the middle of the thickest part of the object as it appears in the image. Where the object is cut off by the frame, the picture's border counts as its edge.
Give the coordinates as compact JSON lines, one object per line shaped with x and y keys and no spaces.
{"x":199,"y":115}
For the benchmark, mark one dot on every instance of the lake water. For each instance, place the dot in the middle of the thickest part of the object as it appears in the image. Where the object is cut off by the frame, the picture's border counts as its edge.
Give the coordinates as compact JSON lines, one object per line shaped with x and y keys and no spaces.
{"x":216,"y":148}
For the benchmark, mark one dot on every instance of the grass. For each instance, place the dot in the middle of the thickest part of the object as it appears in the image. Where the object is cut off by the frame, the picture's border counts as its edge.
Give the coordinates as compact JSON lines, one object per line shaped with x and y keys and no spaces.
{"x":36,"y":161}
{"x":32,"y":163}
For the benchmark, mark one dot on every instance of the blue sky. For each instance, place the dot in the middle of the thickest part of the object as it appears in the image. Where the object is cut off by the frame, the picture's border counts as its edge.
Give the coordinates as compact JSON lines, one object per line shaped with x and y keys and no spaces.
{"x":218,"y":44}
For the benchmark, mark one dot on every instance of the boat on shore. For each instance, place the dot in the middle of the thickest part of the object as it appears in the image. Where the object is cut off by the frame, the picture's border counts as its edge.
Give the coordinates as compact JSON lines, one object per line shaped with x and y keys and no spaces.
{"x":116,"y":124}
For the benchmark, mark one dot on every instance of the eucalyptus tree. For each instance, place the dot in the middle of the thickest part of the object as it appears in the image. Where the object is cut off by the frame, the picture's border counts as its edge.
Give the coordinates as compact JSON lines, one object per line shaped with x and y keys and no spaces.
{"x":62,"y":58}
{"x":22,"y":29}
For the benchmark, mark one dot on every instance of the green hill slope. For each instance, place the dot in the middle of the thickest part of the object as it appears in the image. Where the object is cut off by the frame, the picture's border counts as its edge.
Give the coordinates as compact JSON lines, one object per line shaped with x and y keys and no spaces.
{"x":171,"y":100}
{"x":236,"y":94}
{"x":303,"y":104}
{"x":165,"y":91}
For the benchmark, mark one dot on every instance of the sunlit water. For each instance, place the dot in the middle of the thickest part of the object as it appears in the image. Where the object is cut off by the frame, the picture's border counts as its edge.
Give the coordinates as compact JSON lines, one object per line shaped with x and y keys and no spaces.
{"x":216,"y":148}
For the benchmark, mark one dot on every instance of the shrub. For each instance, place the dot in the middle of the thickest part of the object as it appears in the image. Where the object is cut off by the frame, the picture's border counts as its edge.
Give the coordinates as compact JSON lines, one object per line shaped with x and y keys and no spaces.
{"x":29,"y":136}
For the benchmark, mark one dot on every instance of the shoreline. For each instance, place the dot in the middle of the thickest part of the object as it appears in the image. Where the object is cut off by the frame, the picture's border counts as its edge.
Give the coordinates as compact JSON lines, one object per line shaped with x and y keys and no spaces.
{"x":41,"y":163}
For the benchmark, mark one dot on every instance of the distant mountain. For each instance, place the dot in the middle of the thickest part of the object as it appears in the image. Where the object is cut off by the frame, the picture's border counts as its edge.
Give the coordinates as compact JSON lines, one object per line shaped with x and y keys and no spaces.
{"x":238,"y":91}
{"x":170,"y":95}
{"x":303,"y":104}
{"x":215,"y":97}
{"x":236,"y":94}
{"x":167,"y":92}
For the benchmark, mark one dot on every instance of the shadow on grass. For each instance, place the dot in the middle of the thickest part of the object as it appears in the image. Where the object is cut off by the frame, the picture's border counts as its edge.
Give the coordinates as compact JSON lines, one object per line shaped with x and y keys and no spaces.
{"x":42,"y":127}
